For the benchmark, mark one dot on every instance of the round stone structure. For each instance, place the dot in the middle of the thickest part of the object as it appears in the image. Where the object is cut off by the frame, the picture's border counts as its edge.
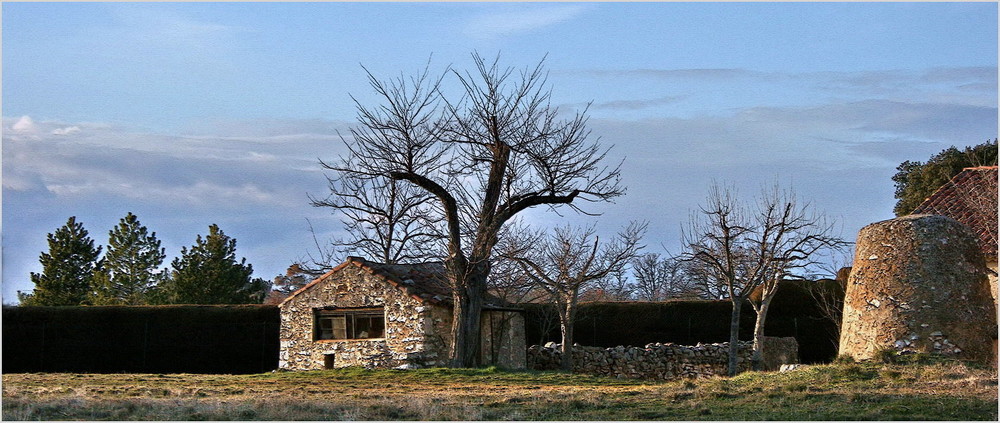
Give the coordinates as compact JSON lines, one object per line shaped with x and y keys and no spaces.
{"x":918,"y":284}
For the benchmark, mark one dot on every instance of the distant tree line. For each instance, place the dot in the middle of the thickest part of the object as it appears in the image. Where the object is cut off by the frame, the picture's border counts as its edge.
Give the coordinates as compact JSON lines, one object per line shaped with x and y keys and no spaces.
{"x":130,"y":272}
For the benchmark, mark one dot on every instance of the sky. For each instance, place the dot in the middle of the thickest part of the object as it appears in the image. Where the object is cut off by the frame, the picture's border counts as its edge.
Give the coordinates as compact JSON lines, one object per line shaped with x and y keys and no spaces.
{"x":189,"y":114}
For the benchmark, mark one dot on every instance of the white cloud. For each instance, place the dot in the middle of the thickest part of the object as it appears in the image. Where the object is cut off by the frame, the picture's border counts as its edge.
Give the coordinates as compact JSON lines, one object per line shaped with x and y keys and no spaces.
{"x":66,"y":131}
{"x":98,"y":162}
{"x":525,"y":19}
{"x":24,"y":125}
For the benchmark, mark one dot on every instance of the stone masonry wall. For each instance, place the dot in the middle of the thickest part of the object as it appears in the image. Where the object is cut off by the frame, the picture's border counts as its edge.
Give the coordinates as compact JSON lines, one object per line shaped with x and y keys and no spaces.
{"x":503,"y":341}
{"x":918,"y":284}
{"x":660,"y":361}
{"x":415,"y":333}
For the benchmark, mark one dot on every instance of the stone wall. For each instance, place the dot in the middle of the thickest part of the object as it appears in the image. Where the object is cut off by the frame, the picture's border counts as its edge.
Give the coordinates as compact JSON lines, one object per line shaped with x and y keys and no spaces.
{"x":661,"y":361}
{"x":503,"y":343}
{"x":416,"y":333}
{"x":918,"y":284}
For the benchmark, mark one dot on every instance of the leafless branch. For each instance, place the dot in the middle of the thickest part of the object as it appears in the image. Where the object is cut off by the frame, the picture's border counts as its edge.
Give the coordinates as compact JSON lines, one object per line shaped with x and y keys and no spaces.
{"x":483,"y":158}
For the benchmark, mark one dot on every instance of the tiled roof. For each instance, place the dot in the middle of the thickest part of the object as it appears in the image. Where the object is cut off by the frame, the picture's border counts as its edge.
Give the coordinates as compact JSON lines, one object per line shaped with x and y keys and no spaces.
{"x":969,"y":197}
{"x":426,"y":282}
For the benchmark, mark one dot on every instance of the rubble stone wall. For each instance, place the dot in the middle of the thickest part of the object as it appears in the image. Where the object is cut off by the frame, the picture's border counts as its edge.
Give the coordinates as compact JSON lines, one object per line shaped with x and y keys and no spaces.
{"x":918,"y":284}
{"x":415,"y":333}
{"x":661,"y":361}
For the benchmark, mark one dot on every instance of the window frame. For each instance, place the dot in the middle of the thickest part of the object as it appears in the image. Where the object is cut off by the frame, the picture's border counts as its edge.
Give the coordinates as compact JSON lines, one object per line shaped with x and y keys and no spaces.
{"x":349,"y":326}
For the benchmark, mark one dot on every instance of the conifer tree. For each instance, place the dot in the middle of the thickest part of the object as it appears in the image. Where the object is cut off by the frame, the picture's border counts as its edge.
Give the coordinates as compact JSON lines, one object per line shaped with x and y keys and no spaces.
{"x":131,"y":265}
{"x":67,"y":269}
{"x":208,"y":273}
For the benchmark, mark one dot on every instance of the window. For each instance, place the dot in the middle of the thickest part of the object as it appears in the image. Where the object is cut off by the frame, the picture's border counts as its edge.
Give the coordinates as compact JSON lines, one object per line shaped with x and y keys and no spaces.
{"x":349,"y":324}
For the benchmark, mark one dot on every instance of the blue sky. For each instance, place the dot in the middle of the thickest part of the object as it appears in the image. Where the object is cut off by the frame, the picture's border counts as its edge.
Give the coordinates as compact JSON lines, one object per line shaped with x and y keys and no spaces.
{"x":190,"y":114}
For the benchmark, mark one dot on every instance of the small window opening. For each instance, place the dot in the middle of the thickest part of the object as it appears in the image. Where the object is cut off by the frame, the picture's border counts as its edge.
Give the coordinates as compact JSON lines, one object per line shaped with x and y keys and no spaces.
{"x":328,"y":361}
{"x":349,"y":324}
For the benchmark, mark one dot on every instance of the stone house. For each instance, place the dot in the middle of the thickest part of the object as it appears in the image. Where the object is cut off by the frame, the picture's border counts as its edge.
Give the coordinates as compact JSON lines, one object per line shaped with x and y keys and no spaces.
{"x":369,"y":314}
{"x":970,"y":197}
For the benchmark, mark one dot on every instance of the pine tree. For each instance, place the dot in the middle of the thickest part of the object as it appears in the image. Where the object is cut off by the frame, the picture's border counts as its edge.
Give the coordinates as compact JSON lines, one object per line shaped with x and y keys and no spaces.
{"x":67,"y":269}
{"x":208,"y":273}
{"x":131,"y":265}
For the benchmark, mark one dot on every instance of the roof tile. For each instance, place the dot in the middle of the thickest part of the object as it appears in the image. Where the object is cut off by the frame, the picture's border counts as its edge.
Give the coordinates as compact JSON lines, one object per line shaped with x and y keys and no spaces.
{"x":969,"y":197}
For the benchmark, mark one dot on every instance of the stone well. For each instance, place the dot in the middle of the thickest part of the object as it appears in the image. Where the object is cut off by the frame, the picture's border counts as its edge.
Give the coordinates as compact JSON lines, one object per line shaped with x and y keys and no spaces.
{"x":918,"y":285}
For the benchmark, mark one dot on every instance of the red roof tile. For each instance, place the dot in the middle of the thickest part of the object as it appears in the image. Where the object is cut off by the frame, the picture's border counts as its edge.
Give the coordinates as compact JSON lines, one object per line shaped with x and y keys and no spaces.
{"x":969,"y":197}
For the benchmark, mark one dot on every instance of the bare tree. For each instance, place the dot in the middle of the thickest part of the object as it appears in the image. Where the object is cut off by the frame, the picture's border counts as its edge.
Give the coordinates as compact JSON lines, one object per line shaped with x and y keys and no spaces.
{"x":508,"y":281}
{"x":568,"y":260}
{"x":616,"y":286}
{"x":788,"y":236}
{"x":828,"y":294}
{"x":717,"y":242}
{"x":485,"y":157}
{"x":385,"y":220}
{"x":284,"y":285}
{"x":326,"y":257}
{"x":659,"y":278}
{"x":703,"y":282}
{"x":750,"y":247}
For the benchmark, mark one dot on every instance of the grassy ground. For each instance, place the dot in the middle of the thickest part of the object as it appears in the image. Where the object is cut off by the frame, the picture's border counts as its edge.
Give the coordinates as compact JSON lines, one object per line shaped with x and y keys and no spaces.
{"x":866,"y":391}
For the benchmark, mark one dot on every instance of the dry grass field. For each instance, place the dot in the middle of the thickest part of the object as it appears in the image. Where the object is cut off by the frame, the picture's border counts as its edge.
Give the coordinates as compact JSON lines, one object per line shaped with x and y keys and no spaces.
{"x":847,"y":391}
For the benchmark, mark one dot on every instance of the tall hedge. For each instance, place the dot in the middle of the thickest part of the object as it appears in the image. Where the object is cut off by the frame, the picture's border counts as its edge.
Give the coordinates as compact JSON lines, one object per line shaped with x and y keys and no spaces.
{"x":141,"y":339}
{"x":687,"y":322}
{"x":244,"y":338}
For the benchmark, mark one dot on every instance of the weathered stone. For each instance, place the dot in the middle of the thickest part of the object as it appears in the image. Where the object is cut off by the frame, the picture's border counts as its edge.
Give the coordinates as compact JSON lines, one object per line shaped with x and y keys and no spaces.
{"x":923,"y":259}
{"x":779,"y":351}
{"x":416,"y":333}
{"x":789,"y":367}
{"x":659,"y":361}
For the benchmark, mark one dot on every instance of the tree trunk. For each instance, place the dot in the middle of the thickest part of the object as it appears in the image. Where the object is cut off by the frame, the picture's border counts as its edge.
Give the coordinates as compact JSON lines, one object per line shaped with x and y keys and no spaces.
{"x":466,"y":315}
{"x":757,"y":360}
{"x":734,"y":335}
{"x":566,"y":323}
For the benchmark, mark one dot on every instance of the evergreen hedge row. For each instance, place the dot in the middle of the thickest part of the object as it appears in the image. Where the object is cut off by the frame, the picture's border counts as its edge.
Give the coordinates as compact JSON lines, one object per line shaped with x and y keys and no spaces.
{"x":793,"y":312}
{"x":244,"y":338}
{"x":141,"y":339}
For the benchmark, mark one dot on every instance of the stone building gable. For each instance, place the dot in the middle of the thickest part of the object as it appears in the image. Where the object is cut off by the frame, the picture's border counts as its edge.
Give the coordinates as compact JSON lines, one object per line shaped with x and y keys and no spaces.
{"x":424,"y":282}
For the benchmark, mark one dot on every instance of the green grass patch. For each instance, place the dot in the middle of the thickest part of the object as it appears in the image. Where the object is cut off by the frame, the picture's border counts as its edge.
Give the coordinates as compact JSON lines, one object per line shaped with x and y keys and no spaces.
{"x":846,"y":391}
